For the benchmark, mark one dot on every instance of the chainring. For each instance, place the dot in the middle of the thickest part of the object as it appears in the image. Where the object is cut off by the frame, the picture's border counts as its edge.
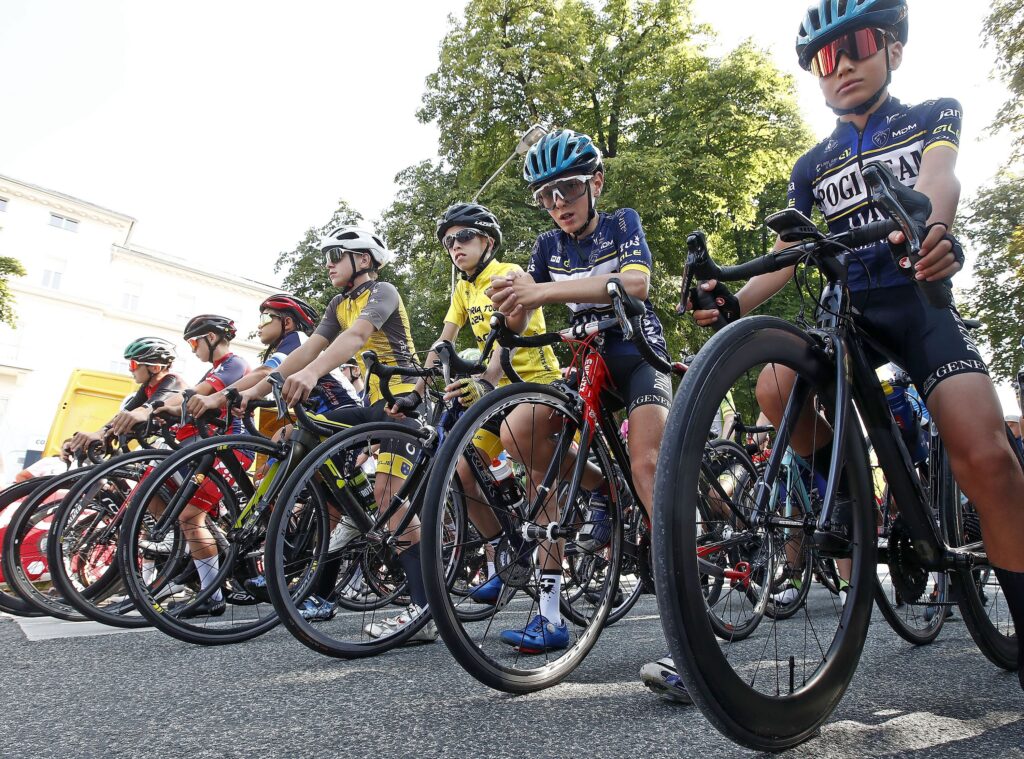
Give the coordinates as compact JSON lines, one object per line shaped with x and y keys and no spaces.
{"x":907,"y":573}
{"x":513,"y":566}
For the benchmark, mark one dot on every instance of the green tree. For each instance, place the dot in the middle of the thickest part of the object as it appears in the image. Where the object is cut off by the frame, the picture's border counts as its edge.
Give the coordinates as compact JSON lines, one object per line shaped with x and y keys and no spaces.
{"x":690,"y":140}
{"x":1004,"y":30}
{"x":9,"y":267}
{"x":995,"y":226}
{"x":304,"y":264}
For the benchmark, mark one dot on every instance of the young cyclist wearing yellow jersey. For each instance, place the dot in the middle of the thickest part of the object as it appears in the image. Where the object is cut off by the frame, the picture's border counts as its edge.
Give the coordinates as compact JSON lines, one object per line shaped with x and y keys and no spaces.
{"x":471,"y":235}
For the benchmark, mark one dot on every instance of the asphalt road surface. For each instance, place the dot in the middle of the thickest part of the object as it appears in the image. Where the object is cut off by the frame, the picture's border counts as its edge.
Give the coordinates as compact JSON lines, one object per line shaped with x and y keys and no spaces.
{"x":73,"y":690}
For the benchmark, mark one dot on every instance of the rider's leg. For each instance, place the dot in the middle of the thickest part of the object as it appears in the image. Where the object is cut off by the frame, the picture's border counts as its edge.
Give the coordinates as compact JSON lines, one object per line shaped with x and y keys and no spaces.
{"x":988,"y":472}
{"x":970,"y":422}
{"x":646,"y":429}
{"x":811,"y":432}
{"x":202,"y":546}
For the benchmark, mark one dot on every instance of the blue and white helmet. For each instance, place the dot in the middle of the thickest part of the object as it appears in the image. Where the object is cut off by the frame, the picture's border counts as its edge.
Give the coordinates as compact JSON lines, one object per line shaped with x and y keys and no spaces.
{"x":829,"y":19}
{"x":560,"y":153}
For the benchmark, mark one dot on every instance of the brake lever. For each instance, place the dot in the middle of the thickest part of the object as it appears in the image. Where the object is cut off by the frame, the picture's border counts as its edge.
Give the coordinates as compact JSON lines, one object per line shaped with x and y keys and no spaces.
{"x":698,"y":257}
{"x":276,"y":381}
{"x":614,"y":290}
{"x":881,"y":185}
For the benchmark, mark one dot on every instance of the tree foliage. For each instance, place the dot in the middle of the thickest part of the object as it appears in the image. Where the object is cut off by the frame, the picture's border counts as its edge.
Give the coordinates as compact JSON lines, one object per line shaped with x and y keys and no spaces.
{"x":1004,"y":30}
{"x":995,"y":226}
{"x":690,"y":140}
{"x":9,"y":267}
{"x":306,"y":275}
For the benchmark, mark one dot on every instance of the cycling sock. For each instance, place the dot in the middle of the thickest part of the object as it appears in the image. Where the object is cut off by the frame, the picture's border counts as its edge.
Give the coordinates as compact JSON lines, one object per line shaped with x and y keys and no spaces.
{"x":208,"y":569}
{"x":843,"y":584}
{"x":1013,"y":590}
{"x":797,"y":582}
{"x":410,"y":560}
{"x":148,"y":571}
{"x":550,"y":585}
{"x":490,"y":562}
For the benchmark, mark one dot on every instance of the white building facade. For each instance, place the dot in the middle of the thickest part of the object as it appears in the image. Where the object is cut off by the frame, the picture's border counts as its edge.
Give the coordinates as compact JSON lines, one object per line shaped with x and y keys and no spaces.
{"x":87,"y":293}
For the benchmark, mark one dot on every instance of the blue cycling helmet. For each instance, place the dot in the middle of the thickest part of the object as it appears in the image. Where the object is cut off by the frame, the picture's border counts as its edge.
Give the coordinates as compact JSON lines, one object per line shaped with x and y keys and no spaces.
{"x":560,"y":153}
{"x":829,"y":19}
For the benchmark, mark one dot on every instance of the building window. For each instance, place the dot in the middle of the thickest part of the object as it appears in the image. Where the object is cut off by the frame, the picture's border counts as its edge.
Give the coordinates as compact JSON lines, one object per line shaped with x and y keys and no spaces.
{"x":3,"y":204}
{"x":62,"y":222}
{"x":130,"y":296}
{"x":52,"y":273}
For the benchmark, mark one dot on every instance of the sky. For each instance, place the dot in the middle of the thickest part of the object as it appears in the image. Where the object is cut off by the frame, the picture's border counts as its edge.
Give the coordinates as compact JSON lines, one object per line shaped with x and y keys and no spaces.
{"x":228,"y":128}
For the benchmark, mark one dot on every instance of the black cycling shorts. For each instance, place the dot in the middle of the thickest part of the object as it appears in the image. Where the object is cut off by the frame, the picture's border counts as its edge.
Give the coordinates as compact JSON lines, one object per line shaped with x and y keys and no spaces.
{"x":930,"y":343}
{"x":637,"y":383}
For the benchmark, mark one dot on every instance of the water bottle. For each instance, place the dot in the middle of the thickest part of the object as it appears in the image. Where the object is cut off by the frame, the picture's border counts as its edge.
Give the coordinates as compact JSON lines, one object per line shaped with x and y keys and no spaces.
{"x":509,"y":492}
{"x":908,"y":420}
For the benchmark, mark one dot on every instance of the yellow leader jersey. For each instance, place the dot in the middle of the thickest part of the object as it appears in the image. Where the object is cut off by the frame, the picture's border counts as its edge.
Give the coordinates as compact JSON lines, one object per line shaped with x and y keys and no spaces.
{"x":469,"y":303}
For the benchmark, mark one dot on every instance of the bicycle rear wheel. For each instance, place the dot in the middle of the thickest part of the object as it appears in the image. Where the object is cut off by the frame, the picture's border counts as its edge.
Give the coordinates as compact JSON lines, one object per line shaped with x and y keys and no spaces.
{"x":496,"y":649}
{"x":775,"y":688}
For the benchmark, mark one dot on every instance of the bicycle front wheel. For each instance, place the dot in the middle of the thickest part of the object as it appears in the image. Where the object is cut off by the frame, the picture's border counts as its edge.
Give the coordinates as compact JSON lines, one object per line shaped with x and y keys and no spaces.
{"x":517,"y":648}
{"x":773,"y":689}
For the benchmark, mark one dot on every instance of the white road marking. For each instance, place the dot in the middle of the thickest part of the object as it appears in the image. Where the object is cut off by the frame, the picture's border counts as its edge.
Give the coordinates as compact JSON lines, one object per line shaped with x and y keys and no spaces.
{"x":47,"y":628}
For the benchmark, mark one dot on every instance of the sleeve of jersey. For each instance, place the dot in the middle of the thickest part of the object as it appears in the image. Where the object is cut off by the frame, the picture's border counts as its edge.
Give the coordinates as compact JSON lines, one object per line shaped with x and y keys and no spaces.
{"x":799,"y":193}
{"x":227,"y":373}
{"x":457,"y":310}
{"x":634,"y":255}
{"x":943,"y":124}
{"x":538,"y":266}
{"x":383,"y":302}
{"x":137,"y":400}
{"x":290,"y":342}
{"x":329,"y":328}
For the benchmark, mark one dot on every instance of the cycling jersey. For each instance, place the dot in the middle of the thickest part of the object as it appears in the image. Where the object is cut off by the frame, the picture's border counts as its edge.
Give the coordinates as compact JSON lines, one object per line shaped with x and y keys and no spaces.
{"x":330,"y":391}
{"x":381,"y":305}
{"x":225,"y":371}
{"x":617,"y":245}
{"x":829,"y":175}
{"x":159,"y":392}
{"x":470,"y":303}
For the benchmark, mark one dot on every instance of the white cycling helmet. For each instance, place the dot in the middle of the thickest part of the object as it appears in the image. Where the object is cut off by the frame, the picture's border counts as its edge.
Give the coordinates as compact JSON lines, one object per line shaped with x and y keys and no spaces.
{"x":358,"y":240}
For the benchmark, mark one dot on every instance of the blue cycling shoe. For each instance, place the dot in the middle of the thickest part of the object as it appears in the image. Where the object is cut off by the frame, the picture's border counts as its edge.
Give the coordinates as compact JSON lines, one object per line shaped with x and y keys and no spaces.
{"x":488,"y":592}
{"x":316,"y":609}
{"x":538,"y":636}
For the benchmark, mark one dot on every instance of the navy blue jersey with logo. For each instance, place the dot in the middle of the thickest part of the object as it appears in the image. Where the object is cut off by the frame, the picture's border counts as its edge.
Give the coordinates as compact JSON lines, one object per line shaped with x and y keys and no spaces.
{"x":330,"y":392}
{"x":829,"y":174}
{"x":617,"y":245}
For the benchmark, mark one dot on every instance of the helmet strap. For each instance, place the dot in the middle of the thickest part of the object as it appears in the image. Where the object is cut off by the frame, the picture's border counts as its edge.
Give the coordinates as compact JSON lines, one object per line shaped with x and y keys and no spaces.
{"x":355,"y":273}
{"x":212,"y":346}
{"x":485,"y":259}
{"x":591,"y":213}
{"x":868,"y":104}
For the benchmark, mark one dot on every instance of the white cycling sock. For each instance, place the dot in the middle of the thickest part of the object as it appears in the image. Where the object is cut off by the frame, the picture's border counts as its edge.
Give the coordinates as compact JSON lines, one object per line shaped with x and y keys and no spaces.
{"x":148,"y":571}
{"x":550,"y":585}
{"x":208,"y":569}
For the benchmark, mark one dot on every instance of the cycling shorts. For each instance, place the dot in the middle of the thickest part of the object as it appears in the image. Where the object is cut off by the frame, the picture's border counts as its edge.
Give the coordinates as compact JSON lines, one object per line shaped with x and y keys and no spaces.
{"x":931,"y":344}
{"x":392,"y":459}
{"x":637,"y":383}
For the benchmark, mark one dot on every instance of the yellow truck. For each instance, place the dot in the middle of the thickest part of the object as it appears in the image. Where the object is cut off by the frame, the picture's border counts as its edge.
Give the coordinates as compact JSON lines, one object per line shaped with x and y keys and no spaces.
{"x":90,"y":399}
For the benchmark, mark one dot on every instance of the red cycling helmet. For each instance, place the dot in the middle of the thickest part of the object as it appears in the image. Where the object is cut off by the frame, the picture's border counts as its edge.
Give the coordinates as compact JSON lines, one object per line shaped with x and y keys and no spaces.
{"x":305,"y":315}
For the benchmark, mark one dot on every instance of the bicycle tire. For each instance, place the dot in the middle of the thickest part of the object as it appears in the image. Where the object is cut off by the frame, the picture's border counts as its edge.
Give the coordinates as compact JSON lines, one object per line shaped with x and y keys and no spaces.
{"x":960,"y":526}
{"x":10,"y":601}
{"x":289,"y":578}
{"x":485,"y":659}
{"x":89,"y":600}
{"x":239,"y":622}
{"x":758,"y":720}
{"x":21,"y":560}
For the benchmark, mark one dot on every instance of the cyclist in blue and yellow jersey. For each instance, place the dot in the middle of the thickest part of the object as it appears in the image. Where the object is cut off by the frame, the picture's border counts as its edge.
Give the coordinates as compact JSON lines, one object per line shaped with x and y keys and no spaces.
{"x":471,"y":235}
{"x":368,"y":314}
{"x":149,"y":361}
{"x":572,"y":264}
{"x":853,"y":47}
